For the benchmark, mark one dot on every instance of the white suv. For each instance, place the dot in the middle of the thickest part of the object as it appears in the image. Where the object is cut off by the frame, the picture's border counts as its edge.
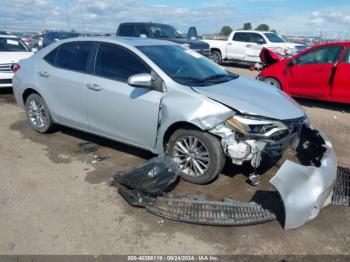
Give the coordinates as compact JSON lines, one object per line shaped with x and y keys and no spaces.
{"x":12,"y":49}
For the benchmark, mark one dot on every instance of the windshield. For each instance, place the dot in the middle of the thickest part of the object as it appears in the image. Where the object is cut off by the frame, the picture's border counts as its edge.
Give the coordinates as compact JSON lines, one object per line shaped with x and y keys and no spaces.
{"x":186,"y":66}
{"x":275,"y":38}
{"x":165,"y":31}
{"x":12,"y":45}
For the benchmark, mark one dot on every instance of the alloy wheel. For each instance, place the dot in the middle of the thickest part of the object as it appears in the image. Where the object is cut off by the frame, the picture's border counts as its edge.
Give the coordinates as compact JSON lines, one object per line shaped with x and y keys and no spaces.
{"x":36,"y":114}
{"x":192,"y":156}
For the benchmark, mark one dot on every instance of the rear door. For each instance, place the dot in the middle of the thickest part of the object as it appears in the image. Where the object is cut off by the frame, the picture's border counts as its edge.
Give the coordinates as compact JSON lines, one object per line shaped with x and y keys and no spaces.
{"x":310,"y":76}
{"x":254,"y":47}
{"x":116,"y":109}
{"x":340,"y":89}
{"x":61,"y":78}
{"x":237,"y":46}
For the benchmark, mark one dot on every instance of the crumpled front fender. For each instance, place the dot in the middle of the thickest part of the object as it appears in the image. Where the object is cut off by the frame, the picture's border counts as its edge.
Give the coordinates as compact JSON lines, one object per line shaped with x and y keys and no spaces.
{"x":306,"y":189}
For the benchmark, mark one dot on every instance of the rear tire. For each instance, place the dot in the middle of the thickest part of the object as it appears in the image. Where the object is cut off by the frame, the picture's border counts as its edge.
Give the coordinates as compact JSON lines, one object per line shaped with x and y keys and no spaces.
{"x":198,"y":153}
{"x":216,"y":57}
{"x":38,"y":114}
{"x":274,"y":82}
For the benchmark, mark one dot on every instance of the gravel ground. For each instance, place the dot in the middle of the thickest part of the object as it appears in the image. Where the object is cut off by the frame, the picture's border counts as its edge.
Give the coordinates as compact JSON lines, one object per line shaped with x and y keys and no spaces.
{"x":53,"y":200}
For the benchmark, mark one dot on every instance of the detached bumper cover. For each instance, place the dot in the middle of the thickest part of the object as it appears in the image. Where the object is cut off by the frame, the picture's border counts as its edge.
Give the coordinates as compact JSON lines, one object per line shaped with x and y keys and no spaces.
{"x":306,"y":189}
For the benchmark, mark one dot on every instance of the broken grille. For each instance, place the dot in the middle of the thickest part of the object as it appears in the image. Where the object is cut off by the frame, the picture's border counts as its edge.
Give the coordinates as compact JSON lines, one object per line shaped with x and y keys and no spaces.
{"x":226,"y":213}
{"x":341,"y":195}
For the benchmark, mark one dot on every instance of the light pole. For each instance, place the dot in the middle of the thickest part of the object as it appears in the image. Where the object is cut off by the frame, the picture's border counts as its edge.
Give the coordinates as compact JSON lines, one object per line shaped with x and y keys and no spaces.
{"x":67,"y":17}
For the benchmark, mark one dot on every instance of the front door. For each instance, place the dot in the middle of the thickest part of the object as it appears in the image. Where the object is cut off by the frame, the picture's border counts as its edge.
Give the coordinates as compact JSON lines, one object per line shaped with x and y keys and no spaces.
{"x":116,"y":109}
{"x":340,"y":89}
{"x":311,"y":74}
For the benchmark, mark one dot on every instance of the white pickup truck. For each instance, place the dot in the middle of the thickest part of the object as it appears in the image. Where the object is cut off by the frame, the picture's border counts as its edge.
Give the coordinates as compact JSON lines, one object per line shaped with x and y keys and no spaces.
{"x":245,"y":46}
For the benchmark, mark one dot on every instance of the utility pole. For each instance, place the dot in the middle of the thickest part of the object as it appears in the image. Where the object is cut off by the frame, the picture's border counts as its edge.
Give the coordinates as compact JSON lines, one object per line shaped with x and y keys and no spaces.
{"x":67,"y":17}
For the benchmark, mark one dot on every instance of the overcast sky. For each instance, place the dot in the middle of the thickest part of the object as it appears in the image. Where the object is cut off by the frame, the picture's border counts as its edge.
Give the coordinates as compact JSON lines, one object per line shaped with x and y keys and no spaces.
{"x":307,"y":17}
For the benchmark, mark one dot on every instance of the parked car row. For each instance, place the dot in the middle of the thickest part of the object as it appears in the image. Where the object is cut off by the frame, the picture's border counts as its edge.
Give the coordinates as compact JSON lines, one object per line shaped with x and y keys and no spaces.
{"x":12,"y":49}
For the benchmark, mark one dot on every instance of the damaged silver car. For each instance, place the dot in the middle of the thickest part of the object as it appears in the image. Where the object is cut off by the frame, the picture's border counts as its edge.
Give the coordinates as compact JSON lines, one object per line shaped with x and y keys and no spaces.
{"x":162,"y":97}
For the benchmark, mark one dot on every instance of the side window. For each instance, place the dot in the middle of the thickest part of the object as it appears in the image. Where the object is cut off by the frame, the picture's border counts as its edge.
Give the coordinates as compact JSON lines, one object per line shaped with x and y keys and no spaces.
{"x":347,"y":57}
{"x":257,"y":38}
{"x":323,"y":55}
{"x":140,"y":29}
{"x":118,"y":63}
{"x":241,"y":37}
{"x":51,"y":57}
{"x":126,"y":30}
{"x":74,"y":56}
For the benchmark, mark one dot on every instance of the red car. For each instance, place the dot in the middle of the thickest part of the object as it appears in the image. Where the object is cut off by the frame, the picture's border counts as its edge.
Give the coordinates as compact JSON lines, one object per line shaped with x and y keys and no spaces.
{"x":320,"y":72}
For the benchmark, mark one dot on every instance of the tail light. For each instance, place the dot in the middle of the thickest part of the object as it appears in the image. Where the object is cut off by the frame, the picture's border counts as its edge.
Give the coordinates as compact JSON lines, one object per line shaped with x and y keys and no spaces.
{"x":15,"y":68}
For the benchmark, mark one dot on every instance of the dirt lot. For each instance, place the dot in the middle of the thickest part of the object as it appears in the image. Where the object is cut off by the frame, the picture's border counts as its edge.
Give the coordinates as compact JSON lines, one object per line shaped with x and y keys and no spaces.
{"x":54,"y":200}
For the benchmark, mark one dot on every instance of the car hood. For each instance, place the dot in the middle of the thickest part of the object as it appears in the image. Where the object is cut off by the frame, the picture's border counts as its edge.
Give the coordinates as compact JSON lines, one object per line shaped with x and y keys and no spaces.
{"x":192,"y":43}
{"x":254,"y":98}
{"x":13,"y":57}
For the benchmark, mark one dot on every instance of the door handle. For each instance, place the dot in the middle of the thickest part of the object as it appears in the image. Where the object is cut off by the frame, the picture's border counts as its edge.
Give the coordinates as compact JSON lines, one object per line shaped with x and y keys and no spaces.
{"x":229,"y":43}
{"x":94,"y":87}
{"x":44,"y":74}
{"x":249,"y":45}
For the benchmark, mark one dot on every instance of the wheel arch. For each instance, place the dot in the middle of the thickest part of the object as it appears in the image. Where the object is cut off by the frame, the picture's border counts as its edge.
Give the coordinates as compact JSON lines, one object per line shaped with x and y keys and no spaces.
{"x":176,"y":126}
{"x":278,"y":80}
{"x":216,"y":49}
{"x":27,"y":93}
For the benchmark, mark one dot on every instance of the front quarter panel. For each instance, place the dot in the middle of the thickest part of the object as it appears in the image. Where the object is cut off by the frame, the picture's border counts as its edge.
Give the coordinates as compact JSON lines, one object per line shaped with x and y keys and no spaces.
{"x":190,"y":107}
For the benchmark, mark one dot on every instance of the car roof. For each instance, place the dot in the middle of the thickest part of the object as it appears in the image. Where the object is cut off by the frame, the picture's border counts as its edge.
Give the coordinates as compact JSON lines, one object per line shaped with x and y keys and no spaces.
{"x":142,"y":23}
{"x":252,"y":31}
{"x":132,"y":41}
{"x":8,"y":36}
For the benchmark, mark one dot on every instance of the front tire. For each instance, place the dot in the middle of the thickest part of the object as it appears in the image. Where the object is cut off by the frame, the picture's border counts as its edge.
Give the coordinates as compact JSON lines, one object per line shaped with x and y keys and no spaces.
{"x":198,"y":153}
{"x":38,"y":114}
{"x":216,"y":57}
{"x":274,"y":82}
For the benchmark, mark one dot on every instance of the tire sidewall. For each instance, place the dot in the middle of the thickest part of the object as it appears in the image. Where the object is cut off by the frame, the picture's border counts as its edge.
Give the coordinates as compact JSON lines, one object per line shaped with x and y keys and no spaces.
{"x":217,"y":53}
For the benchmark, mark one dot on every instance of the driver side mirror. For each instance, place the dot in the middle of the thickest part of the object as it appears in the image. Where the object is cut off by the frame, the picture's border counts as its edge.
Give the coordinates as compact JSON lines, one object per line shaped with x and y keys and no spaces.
{"x":140,"y":80}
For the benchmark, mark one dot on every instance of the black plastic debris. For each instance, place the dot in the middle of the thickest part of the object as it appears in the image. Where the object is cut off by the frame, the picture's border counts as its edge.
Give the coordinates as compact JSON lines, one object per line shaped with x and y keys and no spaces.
{"x":135,"y":197}
{"x":217,"y":213}
{"x":153,"y":177}
{"x":341,"y":195}
{"x":86,"y":148}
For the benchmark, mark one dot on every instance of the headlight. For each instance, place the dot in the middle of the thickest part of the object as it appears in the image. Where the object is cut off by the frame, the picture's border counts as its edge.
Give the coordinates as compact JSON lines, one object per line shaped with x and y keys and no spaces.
{"x":248,"y":125}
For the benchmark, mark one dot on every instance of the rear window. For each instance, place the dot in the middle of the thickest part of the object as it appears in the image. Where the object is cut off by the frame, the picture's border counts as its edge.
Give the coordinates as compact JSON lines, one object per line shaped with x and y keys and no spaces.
{"x":73,"y":56}
{"x":126,"y":30}
{"x":241,"y":37}
{"x":51,"y":57}
{"x":12,"y":45}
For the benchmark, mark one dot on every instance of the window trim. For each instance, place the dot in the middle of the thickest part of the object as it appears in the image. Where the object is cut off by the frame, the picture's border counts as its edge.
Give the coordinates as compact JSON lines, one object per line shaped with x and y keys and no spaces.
{"x":93,"y":72}
{"x":88,"y":63}
{"x":318,"y":48}
{"x":250,"y":38}
{"x":346,"y":55}
{"x":246,"y":33}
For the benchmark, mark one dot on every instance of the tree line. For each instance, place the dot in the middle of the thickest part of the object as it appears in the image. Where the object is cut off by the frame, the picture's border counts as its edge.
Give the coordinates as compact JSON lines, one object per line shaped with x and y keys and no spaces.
{"x":227,"y":30}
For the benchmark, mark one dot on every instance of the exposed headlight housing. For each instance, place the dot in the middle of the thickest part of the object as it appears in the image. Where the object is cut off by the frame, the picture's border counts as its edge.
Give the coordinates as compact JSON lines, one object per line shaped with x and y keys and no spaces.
{"x":254,"y":126}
